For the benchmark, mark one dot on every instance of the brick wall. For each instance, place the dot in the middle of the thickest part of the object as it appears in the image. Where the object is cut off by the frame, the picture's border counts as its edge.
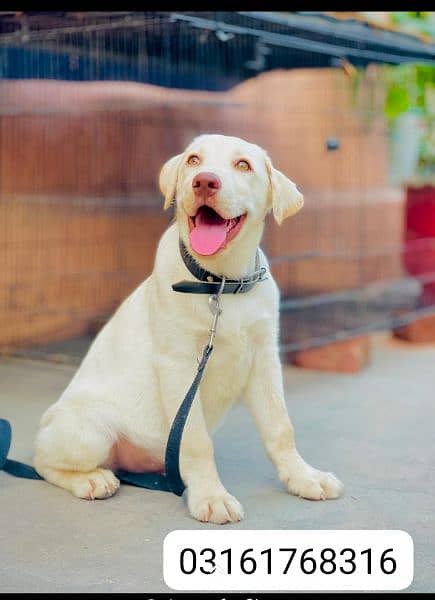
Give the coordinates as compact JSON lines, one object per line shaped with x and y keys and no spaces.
{"x":80,"y":209}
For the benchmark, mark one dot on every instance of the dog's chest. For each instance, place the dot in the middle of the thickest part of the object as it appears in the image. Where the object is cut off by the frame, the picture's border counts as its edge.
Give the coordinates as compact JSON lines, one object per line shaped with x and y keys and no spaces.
{"x":228,"y":369}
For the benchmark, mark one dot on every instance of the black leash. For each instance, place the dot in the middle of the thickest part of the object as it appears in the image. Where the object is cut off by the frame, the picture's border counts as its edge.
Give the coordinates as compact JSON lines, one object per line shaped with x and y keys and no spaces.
{"x":171,"y":480}
{"x":172,"y":457}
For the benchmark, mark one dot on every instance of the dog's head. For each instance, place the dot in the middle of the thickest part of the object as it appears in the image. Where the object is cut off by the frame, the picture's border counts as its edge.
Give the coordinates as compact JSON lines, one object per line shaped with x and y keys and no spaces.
{"x":223,"y":187}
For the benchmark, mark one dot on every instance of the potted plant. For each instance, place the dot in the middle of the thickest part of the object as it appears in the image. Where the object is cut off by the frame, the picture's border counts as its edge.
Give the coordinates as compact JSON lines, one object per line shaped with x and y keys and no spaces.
{"x":410,"y":111}
{"x":406,"y":96}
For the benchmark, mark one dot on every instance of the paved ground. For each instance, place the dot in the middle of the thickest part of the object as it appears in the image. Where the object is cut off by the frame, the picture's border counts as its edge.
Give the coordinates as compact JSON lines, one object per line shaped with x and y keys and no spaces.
{"x":374,"y":429}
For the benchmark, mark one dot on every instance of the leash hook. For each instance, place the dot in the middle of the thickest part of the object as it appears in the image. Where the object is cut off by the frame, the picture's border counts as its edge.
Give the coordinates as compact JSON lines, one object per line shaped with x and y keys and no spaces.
{"x":216,"y":311}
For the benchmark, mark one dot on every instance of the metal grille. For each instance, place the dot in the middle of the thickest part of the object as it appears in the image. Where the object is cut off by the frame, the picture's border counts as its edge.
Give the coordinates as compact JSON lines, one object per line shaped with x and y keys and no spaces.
{"x":92,"y":104}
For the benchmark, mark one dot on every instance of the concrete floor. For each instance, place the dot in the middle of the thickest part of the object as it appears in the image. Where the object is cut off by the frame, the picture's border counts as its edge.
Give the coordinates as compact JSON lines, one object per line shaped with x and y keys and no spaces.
{"x":375,"y":430}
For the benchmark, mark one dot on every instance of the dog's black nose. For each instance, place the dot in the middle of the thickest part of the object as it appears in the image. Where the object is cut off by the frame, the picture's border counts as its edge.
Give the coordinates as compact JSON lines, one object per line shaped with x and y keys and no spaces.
{"x":206,"y":184}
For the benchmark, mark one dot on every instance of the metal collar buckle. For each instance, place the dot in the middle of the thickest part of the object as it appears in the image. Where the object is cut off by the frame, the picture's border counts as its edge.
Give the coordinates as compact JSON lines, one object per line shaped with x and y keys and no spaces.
{"x":257,"y":276}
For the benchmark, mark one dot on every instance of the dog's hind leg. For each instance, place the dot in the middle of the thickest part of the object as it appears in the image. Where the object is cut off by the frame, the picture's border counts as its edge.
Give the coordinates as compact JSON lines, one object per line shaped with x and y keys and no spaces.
{"x":70,"y":452}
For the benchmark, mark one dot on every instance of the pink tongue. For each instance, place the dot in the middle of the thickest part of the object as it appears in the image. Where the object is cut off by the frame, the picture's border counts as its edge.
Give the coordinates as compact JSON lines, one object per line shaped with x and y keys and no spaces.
{"x":209,"y":234}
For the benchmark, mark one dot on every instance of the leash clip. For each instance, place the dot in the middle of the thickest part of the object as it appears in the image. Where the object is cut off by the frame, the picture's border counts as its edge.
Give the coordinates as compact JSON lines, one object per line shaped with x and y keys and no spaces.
{"x":216,"y":311}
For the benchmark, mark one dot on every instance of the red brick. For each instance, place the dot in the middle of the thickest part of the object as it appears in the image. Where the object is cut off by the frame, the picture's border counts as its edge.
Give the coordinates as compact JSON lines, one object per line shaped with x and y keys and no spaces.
{"x":419,"y":331}
{"x":348,"y":356}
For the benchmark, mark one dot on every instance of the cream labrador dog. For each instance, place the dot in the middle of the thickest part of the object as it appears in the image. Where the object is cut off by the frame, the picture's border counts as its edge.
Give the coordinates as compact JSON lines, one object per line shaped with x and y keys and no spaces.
{"x":117,"y":411}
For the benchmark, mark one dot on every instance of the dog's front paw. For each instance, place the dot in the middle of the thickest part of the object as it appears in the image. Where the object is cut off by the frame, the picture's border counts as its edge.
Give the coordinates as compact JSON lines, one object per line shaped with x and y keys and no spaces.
{"x":100,"y":483}
{"x":219,"y":508}
{"x":303,"y":480}
{"x":315,"y":485}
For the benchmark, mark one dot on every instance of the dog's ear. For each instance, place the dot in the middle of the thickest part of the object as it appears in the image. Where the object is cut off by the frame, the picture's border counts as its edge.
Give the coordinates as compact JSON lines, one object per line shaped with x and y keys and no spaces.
{"x":285,"y":199}
{"x":168,"y":179}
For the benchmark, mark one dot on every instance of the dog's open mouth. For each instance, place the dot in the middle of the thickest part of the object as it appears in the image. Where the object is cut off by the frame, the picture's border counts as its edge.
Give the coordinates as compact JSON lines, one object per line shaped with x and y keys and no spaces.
{"x":209,"y":232}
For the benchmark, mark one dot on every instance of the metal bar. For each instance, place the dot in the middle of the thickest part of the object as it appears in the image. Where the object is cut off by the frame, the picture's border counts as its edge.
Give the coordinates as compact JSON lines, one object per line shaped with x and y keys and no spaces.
{"x":354,"y":294}
{"x":377,"y":326}
{"x":355,"y":31}
{"x":288,"y":41}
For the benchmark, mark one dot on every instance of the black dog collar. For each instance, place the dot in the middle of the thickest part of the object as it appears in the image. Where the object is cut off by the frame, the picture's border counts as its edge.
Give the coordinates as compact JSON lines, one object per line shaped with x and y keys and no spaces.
{"x":209,"y":283}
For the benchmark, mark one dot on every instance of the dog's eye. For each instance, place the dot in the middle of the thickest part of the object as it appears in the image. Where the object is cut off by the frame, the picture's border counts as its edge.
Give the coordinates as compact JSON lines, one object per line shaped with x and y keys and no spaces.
{"x":243,"y":165}
{"x":193,"y":160}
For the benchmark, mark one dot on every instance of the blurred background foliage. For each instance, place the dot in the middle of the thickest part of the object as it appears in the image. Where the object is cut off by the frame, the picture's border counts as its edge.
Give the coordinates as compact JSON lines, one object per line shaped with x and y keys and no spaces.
{"x":409,"y":91}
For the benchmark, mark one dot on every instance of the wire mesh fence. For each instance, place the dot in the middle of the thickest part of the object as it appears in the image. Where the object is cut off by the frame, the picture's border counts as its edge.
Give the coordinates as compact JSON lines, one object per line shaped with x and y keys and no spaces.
{"x":92,"y":104}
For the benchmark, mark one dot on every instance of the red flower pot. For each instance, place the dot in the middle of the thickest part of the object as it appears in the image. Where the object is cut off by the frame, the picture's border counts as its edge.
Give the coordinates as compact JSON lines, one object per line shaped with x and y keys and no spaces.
{"x":419,"y":252}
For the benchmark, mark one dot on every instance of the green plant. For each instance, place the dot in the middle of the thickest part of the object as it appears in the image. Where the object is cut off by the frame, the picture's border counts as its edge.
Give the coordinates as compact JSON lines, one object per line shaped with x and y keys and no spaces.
{"x":407,"y":88}
{"x":411,"y":87}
